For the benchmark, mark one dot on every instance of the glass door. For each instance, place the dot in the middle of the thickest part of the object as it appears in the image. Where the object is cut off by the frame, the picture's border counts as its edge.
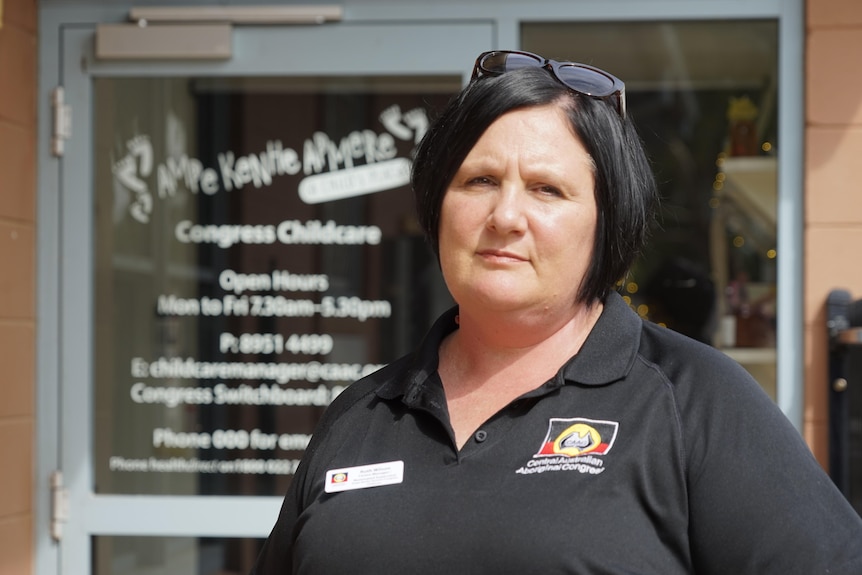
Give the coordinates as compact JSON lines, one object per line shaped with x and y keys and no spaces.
{"x":237,"y":246}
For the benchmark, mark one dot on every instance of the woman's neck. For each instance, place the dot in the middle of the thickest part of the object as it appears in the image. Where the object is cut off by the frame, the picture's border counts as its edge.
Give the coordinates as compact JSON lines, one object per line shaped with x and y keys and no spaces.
{"x":489,"y":362}
{"x":492,"y":337}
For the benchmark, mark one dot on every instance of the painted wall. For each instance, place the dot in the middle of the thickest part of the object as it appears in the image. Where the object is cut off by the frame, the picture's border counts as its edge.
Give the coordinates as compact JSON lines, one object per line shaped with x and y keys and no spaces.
{"x":833,"y":189}
{"x":18,"y":44}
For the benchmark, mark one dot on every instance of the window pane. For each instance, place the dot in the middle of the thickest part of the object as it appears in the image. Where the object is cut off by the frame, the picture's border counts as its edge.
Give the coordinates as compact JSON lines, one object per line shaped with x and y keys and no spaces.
{"x":256,"y":252}
{"x":703,"y":95}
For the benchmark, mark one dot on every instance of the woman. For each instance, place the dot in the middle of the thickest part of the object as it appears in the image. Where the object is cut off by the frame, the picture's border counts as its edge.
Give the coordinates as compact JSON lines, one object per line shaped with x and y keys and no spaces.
{"x":542,"y":426}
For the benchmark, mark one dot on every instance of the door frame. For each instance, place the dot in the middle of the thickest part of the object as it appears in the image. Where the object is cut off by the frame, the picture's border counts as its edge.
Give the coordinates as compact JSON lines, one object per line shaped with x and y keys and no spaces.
{"x":64,"y":335}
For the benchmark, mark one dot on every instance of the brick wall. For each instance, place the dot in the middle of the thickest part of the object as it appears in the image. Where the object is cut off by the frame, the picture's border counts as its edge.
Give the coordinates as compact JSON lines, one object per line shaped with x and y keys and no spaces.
{"x":18,"y":45}
{"x":833,"y":188}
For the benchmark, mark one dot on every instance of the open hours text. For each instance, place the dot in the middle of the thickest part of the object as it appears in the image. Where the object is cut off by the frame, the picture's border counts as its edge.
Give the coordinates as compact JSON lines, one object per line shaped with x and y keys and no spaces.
{"x":274,"y":306}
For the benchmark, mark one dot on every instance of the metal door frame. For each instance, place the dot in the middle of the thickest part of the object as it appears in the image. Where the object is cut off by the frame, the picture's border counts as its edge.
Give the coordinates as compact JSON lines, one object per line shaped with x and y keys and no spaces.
{"x":64,"y":331}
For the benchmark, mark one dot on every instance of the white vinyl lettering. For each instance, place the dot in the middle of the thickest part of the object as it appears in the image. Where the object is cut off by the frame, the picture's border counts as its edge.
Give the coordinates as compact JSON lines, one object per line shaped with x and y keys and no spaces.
{"x":361,"y":162}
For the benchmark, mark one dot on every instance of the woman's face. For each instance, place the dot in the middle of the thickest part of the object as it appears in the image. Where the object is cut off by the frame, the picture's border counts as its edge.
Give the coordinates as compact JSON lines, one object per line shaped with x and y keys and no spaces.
{"x":518,"y":220}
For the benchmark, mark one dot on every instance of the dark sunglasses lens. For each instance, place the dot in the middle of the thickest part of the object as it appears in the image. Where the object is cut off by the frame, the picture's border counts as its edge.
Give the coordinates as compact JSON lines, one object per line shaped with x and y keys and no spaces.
{"x":501,"y":62}
{"x":586,"y":81}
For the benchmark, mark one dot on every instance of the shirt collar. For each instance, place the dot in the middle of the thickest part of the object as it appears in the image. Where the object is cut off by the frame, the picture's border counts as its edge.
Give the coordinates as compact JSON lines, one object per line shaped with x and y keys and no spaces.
{"x":611,"y":348}
{"x":421,"y":365}
{"x":606,"y":356}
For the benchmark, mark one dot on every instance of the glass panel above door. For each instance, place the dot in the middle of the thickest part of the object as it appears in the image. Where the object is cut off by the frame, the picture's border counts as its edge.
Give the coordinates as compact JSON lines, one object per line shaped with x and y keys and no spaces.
{"x":256,"y":252}
{"x":704,"y":97}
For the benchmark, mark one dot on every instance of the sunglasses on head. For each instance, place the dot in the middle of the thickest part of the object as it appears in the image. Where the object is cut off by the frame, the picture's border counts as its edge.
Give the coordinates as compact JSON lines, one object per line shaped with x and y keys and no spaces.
{"x":578,"y":78}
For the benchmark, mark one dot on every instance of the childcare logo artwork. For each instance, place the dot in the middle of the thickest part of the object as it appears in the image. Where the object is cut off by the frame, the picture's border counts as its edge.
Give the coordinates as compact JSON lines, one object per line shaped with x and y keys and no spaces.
{"x":330,"y":168}
{"x":573,"y":444}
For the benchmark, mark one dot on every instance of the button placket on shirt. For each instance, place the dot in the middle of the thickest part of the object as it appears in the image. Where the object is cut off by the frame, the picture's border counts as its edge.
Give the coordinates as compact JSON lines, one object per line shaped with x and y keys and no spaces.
{"x":500,"y":425}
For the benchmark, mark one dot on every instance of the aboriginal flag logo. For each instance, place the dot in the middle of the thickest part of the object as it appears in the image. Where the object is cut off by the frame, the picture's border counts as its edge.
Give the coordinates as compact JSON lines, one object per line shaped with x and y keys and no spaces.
{"x":578,"y":436}
{"x":339,"y":477}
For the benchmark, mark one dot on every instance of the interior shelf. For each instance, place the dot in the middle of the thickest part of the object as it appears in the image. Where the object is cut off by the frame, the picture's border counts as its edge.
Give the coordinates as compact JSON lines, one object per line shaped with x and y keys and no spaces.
{"x":747,"y":207}
{"x":751,"y":184}
{"x":751,"y":355}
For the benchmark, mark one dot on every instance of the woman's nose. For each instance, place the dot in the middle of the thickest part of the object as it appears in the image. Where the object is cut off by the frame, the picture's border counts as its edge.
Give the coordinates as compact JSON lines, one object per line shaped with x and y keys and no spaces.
{"x":507,"y":213}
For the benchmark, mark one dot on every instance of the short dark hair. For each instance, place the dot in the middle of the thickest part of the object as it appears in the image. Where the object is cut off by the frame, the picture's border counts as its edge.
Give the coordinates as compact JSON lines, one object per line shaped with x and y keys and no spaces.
{"x":625,"y":191}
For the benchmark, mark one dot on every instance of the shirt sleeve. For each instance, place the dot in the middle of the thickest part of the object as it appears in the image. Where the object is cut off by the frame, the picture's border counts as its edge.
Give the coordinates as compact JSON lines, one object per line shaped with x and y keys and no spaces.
{"x":276,"y":555}
{"x":759,"y":501}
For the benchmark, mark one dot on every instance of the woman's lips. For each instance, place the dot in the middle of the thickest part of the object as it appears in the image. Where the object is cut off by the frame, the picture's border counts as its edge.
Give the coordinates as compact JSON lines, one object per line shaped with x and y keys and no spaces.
{"x":501,"y":255}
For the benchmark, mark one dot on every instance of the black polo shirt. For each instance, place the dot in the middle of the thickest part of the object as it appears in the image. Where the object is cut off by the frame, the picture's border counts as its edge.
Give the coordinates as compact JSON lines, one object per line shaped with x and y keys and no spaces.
{"x":647,"y":453}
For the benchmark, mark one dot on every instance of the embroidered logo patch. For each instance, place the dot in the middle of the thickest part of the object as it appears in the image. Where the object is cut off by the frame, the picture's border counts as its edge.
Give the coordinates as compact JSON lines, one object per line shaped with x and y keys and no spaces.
{"x":573,"y":445}
{"x":578,"y":436}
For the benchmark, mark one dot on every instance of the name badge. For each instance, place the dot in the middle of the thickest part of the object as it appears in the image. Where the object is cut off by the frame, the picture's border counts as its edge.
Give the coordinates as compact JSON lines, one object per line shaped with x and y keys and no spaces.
{"x":364,"y":476}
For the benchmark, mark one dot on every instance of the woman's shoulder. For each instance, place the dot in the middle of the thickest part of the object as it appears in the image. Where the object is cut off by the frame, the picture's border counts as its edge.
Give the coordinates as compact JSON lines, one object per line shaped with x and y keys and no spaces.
{"x":679,"y":354}
{"x":367,"y":387}
{"x":704,"y":381}
{"x":344,"y":414}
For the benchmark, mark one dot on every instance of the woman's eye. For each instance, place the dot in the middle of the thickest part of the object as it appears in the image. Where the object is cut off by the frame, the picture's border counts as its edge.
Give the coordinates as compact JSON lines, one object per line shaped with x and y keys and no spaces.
{"x":480,"y":181}
{"x":550,"y":190}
